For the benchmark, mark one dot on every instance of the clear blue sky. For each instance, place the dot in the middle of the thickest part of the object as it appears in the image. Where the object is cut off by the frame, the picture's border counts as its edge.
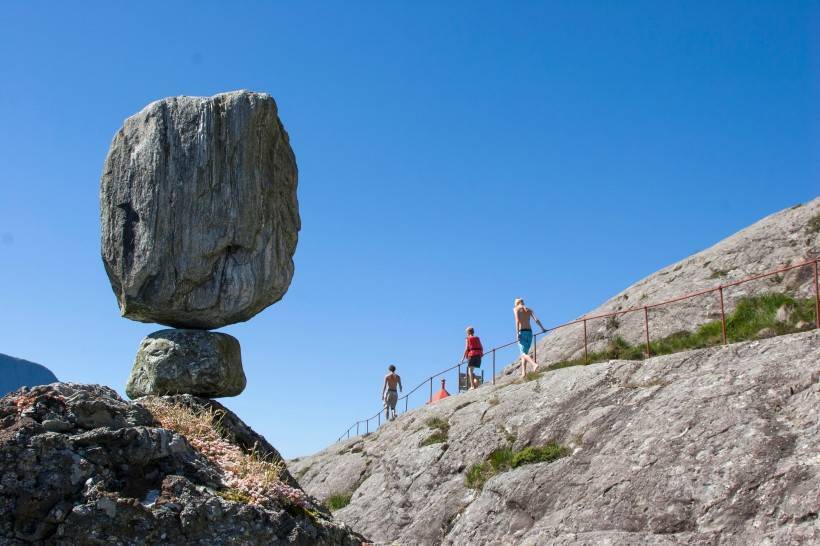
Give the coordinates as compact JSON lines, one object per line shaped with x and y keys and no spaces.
{"x":451,"y":158}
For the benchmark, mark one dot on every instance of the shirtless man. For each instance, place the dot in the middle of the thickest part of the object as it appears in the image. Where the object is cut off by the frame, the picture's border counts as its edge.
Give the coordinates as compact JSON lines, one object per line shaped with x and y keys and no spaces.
{"x":389,"y":393}
{"x":523,"y":332}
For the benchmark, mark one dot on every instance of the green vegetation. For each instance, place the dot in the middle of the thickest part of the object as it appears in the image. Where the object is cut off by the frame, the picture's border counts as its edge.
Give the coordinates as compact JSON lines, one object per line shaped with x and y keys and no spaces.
{"x":813,"y":225}
{"x":719,"y":274}
{"x":532,"y":376}
{"x":338,"y":501}
{"x":235,"y":495}
{"x":507,"y":458}
{"x":441,"y":428}
{"x":752,"y":314}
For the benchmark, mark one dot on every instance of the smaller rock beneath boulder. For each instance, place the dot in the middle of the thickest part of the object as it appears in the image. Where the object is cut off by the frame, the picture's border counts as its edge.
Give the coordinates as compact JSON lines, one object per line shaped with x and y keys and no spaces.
{"x":197,"y":362}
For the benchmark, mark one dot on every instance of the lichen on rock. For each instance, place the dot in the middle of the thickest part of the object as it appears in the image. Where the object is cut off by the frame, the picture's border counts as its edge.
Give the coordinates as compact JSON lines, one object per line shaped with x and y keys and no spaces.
{"x":197,"y":362}
{"x":111,"y":472}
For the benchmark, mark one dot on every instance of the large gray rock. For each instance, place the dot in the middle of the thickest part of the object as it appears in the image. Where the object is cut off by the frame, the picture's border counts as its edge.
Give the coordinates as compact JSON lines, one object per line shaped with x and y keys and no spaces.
{"x":110,"y":474}
{"x":713,"y":446}
{"x":199,"y":211}
{"x":196,"y":362}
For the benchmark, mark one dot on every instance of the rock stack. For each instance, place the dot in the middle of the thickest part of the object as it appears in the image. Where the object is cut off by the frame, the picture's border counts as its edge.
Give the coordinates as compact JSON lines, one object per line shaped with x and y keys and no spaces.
{"x":200,"y":222}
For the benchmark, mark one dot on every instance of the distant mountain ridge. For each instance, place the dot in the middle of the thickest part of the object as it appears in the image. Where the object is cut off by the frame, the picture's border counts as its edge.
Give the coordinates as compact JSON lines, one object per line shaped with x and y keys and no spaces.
{"x":16,"y":373}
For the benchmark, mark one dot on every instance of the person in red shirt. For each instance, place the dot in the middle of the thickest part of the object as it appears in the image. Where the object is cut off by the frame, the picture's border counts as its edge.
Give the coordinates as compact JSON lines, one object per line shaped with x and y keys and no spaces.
{"x":473,"y":351}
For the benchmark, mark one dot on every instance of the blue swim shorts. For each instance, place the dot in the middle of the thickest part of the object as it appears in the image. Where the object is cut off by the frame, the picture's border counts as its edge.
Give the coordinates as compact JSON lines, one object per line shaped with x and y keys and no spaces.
{"x":524,"y":341}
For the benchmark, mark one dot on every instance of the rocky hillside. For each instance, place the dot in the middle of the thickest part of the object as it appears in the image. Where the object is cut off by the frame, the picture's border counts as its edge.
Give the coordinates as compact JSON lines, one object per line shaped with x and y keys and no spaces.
{"x":712,"y":446}
{"x":787,"y":237}
{"x":16,"y":373}
{"x":80,"y":466}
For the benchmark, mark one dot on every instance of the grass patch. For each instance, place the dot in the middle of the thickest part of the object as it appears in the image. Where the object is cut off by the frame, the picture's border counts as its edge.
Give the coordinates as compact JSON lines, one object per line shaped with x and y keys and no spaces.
{"x":813,"y":225}
{"x":506,"y":458}
{"x":718,"y":274}
{"x":532,"y":376}
{"x":751,"y":315}
{"x":435,"y":438}
{"x":440,"y":427}
{"x":246,"y":476}
{"x":235,"y":495}
{"x":337,"y":501}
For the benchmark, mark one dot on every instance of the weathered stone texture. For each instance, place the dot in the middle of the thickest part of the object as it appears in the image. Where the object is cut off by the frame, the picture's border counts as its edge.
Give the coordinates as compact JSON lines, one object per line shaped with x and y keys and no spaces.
{"x":197,"y":362}
{"x":79,"y":466}
{"x":199,"y":211}
{"x":713,"y":446}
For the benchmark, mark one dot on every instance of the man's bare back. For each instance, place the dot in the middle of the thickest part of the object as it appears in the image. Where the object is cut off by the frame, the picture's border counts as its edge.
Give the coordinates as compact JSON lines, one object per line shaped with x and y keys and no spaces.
{"x":390,"y":394}
{"x":392,"y":380}
{"x":522,"y":317}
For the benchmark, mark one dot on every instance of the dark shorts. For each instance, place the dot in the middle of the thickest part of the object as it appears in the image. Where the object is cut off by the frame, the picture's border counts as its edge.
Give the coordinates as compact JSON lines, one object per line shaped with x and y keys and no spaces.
{"x":474,"y":362}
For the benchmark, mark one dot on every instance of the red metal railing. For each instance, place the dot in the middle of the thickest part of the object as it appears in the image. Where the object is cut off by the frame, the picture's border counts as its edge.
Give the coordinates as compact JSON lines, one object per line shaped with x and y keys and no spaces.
{"x":365,"y":423}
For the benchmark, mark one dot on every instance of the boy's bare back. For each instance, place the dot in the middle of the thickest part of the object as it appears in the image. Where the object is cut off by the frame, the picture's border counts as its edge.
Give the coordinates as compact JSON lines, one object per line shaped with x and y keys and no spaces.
{"x":392,"y":380}
{"x":522,"y":315}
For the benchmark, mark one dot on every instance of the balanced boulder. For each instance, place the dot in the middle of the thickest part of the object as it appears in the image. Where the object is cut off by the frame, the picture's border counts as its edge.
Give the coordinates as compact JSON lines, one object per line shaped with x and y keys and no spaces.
{"x":199,"y":211}
{"x":196,"y":362}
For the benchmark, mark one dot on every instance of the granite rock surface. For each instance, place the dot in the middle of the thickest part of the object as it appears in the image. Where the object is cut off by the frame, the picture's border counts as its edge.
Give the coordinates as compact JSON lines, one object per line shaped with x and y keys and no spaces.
{"x":712,"y":446}
{"x":80,"y":466}
{"x":199,"y":211}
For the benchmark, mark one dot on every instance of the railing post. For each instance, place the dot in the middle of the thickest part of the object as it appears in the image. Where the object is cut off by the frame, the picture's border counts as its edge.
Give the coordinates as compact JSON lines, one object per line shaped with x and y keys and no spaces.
{"x":367,"y":426}
{"x":348,"y":434}
{"x":357,"y":427}
{"x":405,"y":403}
{"x":458,"y":378}
{"x":535,"y":348}
{"x":586,"y":354}
{"x":722,"y":314}
{"x":493,"y":366}
{"x":816,"y":298}
{"x":431,"y":391}
{"x":646,"y":330}
{"x":379,"y":420}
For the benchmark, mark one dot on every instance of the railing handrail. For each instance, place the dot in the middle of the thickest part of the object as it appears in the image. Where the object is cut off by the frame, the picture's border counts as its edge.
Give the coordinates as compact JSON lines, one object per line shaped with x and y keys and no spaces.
{"x":585,"y":318}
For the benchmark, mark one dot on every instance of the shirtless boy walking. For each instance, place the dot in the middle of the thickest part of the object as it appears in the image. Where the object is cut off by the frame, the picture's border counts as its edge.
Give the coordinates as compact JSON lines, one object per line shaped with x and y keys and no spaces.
{"x":389,"y":393}
{"x":523,"y":332}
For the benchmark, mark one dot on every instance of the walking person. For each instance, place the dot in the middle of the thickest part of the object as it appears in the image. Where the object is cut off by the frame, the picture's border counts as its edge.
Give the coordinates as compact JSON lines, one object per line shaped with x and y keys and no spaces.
{"x":473,"y":351}
{"x":523,"y":332}
{"x":390,"y":394}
